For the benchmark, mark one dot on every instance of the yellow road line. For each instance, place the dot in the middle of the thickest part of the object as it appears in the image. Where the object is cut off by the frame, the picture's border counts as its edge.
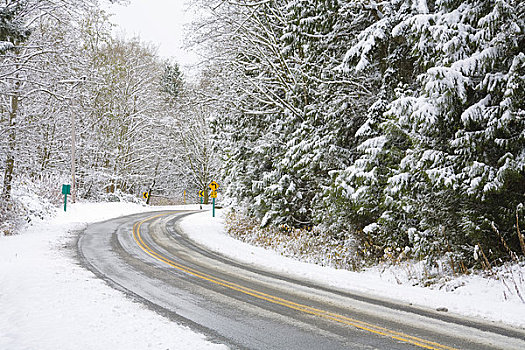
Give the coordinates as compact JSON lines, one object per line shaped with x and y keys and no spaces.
{"x":426,"y":344}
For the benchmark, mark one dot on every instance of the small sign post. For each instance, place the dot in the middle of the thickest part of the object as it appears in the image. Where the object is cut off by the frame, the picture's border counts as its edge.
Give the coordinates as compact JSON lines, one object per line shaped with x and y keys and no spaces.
{"x":214,"y":186}
{"x":201,"y":194}
{"x":66,"y":189}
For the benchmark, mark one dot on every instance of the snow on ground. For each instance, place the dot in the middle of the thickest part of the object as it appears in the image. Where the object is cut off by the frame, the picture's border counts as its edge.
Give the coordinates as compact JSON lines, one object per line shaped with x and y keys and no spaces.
{"x":472,"y":296}
{"x":48,"y":301}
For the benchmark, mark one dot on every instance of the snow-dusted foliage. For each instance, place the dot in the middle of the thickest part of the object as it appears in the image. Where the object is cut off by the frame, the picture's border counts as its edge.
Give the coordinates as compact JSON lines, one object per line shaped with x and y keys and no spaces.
{"x":293,"y":110}
{"x":400,"y":124}
{"x":447,"y":160}
{"x":65,"y":81}
{"x":315,"y":245}
{"x":32,"y":102}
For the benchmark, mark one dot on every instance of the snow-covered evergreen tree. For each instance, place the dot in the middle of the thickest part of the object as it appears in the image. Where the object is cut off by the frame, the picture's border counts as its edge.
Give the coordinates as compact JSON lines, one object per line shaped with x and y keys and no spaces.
{"x":399,"y":124}
{"x":453,"y":132}
{"x":293,"y":109}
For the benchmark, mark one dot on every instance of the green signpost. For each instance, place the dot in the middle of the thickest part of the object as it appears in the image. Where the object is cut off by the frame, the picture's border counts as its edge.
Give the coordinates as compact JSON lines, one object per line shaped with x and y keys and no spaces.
{"x":201,"y":194}
{"x":214,"y":186}
{"x":66,"y":189}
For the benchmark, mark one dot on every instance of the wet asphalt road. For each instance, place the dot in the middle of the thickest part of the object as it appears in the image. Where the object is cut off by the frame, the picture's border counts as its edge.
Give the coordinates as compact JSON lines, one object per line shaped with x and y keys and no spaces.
{"x":149,"y":258}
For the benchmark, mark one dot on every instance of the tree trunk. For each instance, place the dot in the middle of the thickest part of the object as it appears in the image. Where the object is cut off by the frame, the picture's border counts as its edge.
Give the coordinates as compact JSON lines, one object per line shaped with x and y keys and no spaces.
{"x":149,"y":193}
{"x":153,"y":183}
{"x":11,"y":144}
{"x":206,"y":196}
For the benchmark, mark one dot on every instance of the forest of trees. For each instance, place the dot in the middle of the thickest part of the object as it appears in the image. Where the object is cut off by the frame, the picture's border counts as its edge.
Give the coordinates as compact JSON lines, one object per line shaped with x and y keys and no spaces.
{"x":63,"y":75}
{"x":396,"y":126}
{"x":392,"y":126}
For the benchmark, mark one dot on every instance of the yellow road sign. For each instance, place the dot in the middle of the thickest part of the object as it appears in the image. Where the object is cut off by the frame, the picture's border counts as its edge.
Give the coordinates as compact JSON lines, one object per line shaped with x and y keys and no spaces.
{"x":213,"y":194}
{"x":214,"y":186}
{"x":145,"y":195}
{"x":201,"y":193}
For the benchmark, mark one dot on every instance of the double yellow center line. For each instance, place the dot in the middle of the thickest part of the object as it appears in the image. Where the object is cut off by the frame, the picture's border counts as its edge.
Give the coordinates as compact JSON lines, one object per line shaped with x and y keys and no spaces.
{"x":425,"y":344}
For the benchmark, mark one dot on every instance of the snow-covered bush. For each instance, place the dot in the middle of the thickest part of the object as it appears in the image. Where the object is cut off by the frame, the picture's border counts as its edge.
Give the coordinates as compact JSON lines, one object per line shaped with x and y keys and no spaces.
{"x":32,"y":200}
{"x":305,"y":244}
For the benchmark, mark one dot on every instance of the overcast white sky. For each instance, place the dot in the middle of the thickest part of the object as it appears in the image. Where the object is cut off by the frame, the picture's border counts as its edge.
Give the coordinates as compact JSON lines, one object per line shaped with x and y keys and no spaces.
{"x":160,"y":22}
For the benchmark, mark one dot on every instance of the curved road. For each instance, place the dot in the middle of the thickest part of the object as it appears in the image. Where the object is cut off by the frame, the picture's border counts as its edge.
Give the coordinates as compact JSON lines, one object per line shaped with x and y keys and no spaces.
{"x":148,"y":257}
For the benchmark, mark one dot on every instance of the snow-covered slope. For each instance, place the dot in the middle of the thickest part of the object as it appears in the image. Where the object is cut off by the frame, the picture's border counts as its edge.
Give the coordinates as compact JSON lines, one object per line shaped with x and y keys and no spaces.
{"x":48,"y":301}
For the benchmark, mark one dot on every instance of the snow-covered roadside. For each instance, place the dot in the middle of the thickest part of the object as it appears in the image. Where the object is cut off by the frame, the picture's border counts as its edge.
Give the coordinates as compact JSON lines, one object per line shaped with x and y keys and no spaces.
{"x":48,"y":301}
{"x":474,"y":296}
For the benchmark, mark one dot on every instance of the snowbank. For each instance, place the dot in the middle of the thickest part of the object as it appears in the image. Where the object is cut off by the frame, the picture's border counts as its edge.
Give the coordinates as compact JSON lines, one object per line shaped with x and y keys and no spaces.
{"x":472,"y":296}
{"x":49,"y":302}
